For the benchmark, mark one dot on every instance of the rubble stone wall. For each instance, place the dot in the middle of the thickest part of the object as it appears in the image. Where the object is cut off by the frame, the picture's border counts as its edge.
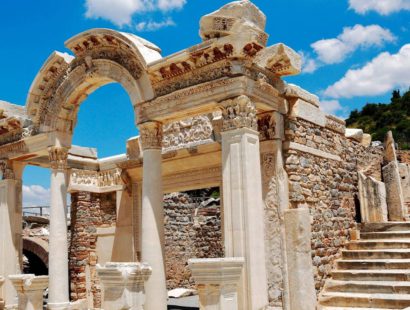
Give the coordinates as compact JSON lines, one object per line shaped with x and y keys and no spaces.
{"x":403,"y":157}
{"x":89,"y":211}
{"x":192,"y":230}
{"x":327,"y":186}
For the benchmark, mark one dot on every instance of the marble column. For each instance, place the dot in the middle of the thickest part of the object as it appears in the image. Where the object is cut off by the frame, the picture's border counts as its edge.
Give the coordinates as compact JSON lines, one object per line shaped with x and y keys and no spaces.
{"x":152,"y":216}
{"x":30,"y":290}
{"x":123,"y":285}
{"x":58,"y":296}
{"x":242,"y":199}
{"x":10,"y":228}
{"x":217,"y":280}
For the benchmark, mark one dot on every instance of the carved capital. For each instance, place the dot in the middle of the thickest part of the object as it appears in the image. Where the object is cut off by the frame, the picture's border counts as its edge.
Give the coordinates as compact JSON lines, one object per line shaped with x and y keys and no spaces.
{"x":151,"y":135}
{"x":6,"y":170}
{"x":58,"y":157}
{"x":239,"y":113}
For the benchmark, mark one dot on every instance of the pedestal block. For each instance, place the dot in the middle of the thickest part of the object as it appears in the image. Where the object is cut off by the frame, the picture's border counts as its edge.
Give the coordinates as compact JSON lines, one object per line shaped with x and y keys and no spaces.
{"x":123,"y":285}
{"x":217,"y":281}
{"x":30,"y":290}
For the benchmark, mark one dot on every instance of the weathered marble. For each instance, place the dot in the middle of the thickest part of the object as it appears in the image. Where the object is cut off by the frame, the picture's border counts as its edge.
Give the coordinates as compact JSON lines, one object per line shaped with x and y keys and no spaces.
{"x":30,"y":290}
{"x":123,"y":285}
{"x":372,"y":196}
{"x":394,"y":192}
{"x":217,"y":282}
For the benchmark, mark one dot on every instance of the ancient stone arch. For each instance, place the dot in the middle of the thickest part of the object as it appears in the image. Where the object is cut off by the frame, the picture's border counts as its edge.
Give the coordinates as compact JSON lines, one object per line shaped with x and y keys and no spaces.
{"x":38,"y":247}
{"x":101,"y":56}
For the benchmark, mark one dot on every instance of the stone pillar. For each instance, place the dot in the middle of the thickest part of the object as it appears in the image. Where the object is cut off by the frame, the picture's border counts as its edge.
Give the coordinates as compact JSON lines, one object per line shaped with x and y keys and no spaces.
{"x":302,"y":292}
{"x":1,"y":295}
{"x":10,"y":228}
{"x":152,"y":216}
{"x":58,"y":296}
{"x":391,"y":177}
{"x":30,"y":290}
{"x":372,"y":195}
{"x":242,"y":199}
{"x":123,"y":285}
{"x":217,"y":280}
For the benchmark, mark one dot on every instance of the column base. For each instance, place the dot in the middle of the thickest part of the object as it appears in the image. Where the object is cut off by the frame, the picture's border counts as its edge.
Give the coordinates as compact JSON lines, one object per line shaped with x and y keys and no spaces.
{"x":59,"y":306}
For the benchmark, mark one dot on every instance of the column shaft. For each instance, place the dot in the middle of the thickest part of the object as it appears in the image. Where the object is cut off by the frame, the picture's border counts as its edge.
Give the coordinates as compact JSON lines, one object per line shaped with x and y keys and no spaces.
{"x":58,"y":297}
{"x":152,"y":217}
{"x":242,"y":200}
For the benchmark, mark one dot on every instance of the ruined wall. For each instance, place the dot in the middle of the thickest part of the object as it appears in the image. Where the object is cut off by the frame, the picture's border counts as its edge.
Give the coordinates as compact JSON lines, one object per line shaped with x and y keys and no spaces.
{"x":192,"y":230}
{"x":89,"y":211}
{"x":327,"y":184}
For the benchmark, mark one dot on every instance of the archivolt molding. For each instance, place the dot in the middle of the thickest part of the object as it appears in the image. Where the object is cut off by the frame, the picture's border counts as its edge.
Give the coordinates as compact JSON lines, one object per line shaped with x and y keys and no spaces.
{"x":101,"y":56}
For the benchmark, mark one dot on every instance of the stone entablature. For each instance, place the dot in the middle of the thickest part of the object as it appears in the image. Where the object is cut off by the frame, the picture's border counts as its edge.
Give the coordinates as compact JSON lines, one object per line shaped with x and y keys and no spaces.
{"x":96,"y":181}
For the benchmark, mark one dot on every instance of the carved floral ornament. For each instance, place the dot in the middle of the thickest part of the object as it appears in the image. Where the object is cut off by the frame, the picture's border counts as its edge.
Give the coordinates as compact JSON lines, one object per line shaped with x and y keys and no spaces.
{"x":6,"y":170}
{"x":239,"y":112}
{"x":151,"y":135}
{"x":58,"y":157}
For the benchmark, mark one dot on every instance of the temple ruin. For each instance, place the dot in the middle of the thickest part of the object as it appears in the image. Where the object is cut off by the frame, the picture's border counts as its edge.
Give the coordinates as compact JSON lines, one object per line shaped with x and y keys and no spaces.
{"x":304,"y":209}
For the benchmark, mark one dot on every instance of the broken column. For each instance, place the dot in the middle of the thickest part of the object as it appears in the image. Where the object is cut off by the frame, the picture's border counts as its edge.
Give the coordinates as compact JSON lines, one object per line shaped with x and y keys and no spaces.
{"x":391,"y":177}
{"x":372,"y":196}
{"x":302,"y":292}
{"x":30,"y":290}
{"x":217,"y":281}
{"x":242,"y":199}
{"x":123,"y":285}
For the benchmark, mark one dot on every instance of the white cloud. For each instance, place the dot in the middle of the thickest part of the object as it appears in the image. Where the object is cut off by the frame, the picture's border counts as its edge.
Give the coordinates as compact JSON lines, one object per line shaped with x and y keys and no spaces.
{"x":35,"y":195}
{"x":309,"y":64}
{"x":120,"y":12}
{"x":331,"y":106}
{"x":383,"y":7}
{"x":335,"y":50}
{"x":152,"y":25}
{"x":382,"y":74}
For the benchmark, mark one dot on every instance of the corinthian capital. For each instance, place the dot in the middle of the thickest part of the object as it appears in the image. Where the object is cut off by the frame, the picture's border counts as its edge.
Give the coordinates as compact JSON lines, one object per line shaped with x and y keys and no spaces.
{"x":239,"y":112}
{"x":151,"y":135}
{"x":58,"y":157}
{"x":6,"y":170}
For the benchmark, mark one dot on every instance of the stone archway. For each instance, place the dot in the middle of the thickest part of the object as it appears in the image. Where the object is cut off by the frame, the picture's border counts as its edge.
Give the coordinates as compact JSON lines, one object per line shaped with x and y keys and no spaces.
{"x":36,"y":251}
{"x":102,"y":56}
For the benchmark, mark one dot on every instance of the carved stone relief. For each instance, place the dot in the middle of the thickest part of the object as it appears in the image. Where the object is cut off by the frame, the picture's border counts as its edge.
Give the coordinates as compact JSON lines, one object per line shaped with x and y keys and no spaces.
{"x":238,"y":113}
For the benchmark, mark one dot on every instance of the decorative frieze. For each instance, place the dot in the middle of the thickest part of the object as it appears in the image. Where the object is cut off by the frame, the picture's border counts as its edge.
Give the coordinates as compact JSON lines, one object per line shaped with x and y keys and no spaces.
{"x":151,"y":135}
{"x":58,"y":157}
{"x":239,"y":113}
{"x":187,"y":133}
{"x":100,"y":179}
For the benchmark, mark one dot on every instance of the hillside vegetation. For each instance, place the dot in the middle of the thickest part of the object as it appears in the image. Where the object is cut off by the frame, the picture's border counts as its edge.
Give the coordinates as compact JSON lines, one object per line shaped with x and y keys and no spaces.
{"x":378,"y":118}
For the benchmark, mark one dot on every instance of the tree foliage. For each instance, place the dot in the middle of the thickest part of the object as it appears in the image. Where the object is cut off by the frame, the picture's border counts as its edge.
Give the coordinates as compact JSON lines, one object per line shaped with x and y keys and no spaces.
{"x":378,"y":118}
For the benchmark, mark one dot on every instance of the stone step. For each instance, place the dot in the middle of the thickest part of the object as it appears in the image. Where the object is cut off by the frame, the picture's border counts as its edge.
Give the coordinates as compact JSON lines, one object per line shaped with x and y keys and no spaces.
{"x":383,"y":301}
{"x":372,"y":275}
{"x":378,"y":244}
{"x":373,"y":264}
{"x":405,"y":234}
{"x":391,"y":226}
{"x":374,"y":254}
{"x":384,"y":287}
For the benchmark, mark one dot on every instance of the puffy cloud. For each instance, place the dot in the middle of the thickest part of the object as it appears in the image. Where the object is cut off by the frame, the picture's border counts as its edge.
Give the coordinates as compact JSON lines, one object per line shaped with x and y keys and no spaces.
{"x":331,"y":106}
{"x":35,"y":195}
{"x":309,"y":64}
{"x":120,"y":12}
{"x":382,"y":74}
{"x":383,"y":7}
{"x":335,"y":50}
{"x":152,"y":25}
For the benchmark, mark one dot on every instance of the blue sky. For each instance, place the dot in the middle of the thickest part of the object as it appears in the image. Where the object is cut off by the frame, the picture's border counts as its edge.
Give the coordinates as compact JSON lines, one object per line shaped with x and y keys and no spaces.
{"x":355,"y":51}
